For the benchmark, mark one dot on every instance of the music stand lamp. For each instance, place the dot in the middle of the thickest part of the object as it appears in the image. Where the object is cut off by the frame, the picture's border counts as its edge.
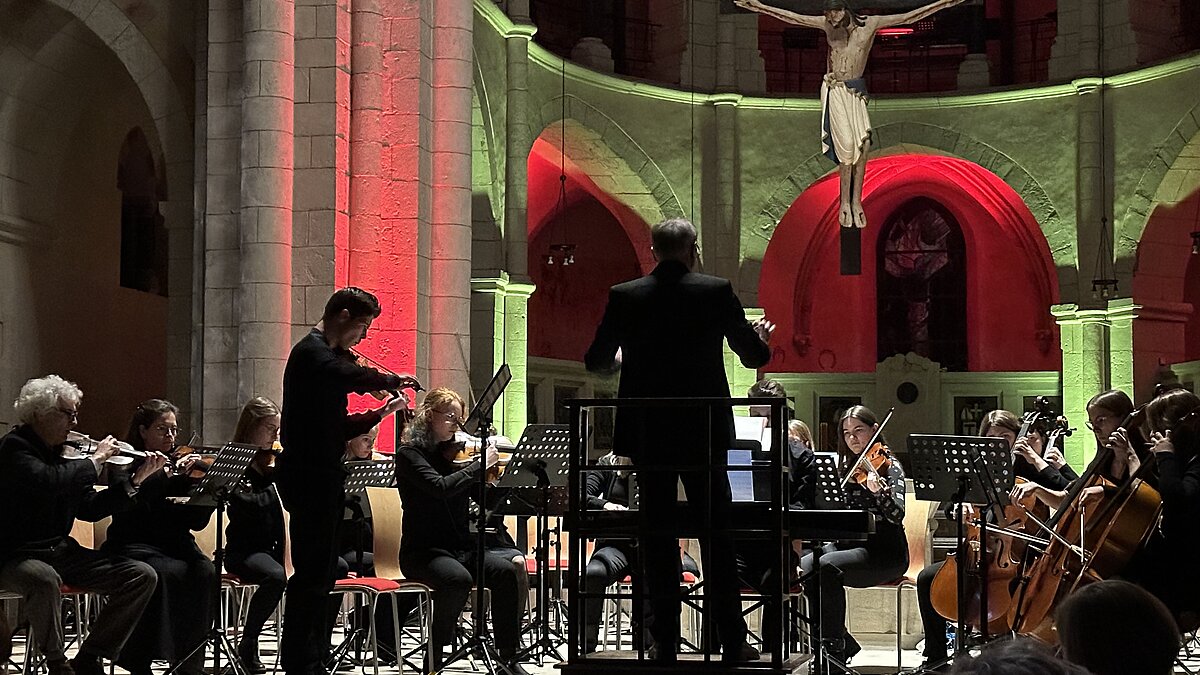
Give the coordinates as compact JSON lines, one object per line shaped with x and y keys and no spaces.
{"x":478,"y":642}
{"x":222,"y":479}
{"x":963,"y":470}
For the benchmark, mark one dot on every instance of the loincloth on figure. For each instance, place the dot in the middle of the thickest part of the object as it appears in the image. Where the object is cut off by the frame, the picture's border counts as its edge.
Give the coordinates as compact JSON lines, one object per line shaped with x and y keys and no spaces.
{"x":845,"y":125}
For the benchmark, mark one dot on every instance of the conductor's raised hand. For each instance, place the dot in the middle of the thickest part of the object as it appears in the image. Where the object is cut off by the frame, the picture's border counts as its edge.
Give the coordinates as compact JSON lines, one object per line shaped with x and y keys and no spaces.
{"x":763,"y":329}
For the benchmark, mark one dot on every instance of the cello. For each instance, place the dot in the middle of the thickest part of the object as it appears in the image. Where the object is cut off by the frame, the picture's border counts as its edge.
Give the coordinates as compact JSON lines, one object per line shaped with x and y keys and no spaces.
{"x":1009,"y":532}
{"x":1087,"y":544}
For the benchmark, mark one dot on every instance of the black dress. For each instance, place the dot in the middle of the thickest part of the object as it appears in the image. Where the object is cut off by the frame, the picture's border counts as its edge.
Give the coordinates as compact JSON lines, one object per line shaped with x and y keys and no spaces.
{"x":159,"y":532}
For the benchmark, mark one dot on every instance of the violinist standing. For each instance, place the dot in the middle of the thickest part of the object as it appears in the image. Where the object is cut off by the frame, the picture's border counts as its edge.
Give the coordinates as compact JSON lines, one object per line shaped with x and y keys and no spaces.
{"x":158,"y":532}
{"x":438,"y":548}
{"x":882,"y":558}
{"x":254,"y":537}
{"x":315,"y":426}
{"x":41,"y":495}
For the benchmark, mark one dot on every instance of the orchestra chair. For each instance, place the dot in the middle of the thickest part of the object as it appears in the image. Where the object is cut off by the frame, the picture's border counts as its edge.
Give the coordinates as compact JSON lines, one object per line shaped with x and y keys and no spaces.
{"x":235,"y":593}
{"x":917,"y":516}
{"x":387,"y":514}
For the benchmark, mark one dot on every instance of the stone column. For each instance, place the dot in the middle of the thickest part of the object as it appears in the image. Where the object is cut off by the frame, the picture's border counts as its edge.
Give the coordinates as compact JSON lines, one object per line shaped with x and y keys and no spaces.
{"x":518,"y":139}
{"x":221,"y":277}
{"x":1121,"y":315}
{"x":195,"y":409}
{"x":450,"y":208}
{"x":503,"y":303}
{"x":1085,"y":370}
{"x":740,"y":377}
{"x":973,"y":72}
{"x":265,"y":302}
{"x":1091,"y":205}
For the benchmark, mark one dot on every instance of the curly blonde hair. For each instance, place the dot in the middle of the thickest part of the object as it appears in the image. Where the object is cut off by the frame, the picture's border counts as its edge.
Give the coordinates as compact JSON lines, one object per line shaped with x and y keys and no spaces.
{"x":418,"y":432}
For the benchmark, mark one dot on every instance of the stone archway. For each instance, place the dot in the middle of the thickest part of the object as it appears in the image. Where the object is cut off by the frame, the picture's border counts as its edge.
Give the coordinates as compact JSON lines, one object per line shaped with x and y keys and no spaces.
{"x":606,"y":151}
{"x":914,"y":135}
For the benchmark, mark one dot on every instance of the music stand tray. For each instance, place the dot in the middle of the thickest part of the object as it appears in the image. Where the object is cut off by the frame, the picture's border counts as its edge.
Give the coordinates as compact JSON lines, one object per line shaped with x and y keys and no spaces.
{"x":376,"y":473}
{"x":542,"y":448}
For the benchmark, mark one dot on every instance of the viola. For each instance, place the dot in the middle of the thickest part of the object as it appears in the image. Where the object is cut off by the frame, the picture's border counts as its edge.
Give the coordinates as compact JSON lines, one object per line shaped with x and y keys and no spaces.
{"x":875,"y":462}
{"x":199,"y":468}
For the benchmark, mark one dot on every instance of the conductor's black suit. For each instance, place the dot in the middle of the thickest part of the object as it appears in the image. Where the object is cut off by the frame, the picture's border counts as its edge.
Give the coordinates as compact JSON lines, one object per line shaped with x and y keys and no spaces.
{"x":670,"y":326}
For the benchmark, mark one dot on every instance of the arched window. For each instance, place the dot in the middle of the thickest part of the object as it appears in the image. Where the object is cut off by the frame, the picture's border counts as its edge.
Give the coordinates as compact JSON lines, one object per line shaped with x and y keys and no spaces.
{"x":921,"y":285}
{"x":143,"y":236}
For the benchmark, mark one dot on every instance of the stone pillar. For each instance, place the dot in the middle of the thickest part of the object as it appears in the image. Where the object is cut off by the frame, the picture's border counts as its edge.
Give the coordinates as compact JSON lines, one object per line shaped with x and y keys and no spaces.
{"x":1121,"y":316}
{"x":450,"y":209}
{"x":265,"y":302}
{"x":501,"y":311}
{"x":322,"y":130}
{"x":518,"y":138}
{"x":1090,"y":204}
{"x":698,"y":67}
{"x":195,"y":409}
{"x":1086,"y":370}
{"x":221,"y":277}
{"x":723,"y":237}
{"x":973,"y":72}
{"x":740,"y":377}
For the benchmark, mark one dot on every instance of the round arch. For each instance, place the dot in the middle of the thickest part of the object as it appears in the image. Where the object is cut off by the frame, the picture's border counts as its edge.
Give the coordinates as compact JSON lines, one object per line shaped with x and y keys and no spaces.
{"x":828,"y":321}
{"x":945,"y":142}
{"x":1142,"y":201}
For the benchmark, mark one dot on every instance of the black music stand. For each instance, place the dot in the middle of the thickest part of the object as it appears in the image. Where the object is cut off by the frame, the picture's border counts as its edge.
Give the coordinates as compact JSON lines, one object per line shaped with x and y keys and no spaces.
{"x":222,"y":478}
{"x":540,"y":464}
{"x":963,"y":470}
{"x":828,"y":493}
{"x":478,"y":642}
{"x":362,"y":475}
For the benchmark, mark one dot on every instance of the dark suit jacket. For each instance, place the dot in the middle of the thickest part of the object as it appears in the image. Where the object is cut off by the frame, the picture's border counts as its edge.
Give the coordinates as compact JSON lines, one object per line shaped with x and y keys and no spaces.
{"x":671,"y":326}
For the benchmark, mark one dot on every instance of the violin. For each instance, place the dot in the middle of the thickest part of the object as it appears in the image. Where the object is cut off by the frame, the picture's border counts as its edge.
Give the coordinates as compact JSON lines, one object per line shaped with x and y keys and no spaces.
{"x":874,"y":461}
{"x":83,"y":447}
{"x":199,"y":467}
{"x":410,"y":382}
{"x":467,"y":449}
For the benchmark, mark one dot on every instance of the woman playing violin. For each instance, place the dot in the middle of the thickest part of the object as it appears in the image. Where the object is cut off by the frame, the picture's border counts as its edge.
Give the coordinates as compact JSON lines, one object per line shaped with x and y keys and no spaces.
{"x":159,"y":532}
{"x":884,"y":556}
{"x":438,"y":548}
{"x":254,"y":537}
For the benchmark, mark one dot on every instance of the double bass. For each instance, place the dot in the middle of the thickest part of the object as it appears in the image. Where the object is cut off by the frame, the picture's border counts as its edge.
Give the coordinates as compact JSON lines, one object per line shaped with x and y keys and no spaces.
{"x":1089,"y":544}
{"x":1010,"y":529}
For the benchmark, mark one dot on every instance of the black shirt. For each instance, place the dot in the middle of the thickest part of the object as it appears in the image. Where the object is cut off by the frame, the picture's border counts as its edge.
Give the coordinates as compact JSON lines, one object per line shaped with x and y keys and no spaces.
{"x":315,"y":425}
{"x":255,"y":518}
{"x":437,"y":497}
{"x":160,"y":522}
{"x":41,"y":494}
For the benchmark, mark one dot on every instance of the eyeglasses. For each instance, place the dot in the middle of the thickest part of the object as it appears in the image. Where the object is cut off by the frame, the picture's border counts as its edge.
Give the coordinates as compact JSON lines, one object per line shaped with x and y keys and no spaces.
{"x":72,"y":414}
{"x":448,"y":416}
{"x":165,"y":430}
{"x":1093,"y":423}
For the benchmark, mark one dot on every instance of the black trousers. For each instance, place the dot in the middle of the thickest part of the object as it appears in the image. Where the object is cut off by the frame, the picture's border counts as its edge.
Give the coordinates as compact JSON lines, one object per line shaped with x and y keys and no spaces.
{"x":758,"y":568}
{"x":451,"y":574}
{"x":848,"y":565}
{"x":316,"y":508}
{"x":262,"y":569}
{"x":609,"y":564}
{"x":932,"y":622}
{"x":658,"y":518}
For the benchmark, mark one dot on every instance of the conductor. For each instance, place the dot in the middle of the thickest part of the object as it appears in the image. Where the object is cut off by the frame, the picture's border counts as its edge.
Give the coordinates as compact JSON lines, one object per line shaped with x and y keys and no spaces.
{"x":665,"y":333}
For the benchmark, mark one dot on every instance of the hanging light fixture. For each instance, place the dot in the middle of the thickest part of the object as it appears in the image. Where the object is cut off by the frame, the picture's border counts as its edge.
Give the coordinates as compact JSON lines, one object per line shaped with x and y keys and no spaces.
{"x":1104,"y":282}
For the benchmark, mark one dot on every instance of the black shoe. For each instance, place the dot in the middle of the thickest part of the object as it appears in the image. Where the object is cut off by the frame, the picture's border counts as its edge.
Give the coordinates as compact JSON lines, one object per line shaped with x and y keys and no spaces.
{"x":6,"y":634}
{"x":744,"y":652}
{"x":248,"y":652}
{"x":60,"y":668}
{"x":659,"y":655}
{"x":82,"y":664}
{"x":851,"y":646}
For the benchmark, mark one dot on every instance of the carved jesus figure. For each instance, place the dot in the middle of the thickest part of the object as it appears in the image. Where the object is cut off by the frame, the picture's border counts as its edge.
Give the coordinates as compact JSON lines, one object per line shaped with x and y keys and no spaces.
{"x":845,"y":126}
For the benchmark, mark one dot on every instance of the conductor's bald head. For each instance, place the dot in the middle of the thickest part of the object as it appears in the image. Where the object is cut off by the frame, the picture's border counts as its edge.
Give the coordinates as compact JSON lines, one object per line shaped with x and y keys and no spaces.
{"x":674,"y":239}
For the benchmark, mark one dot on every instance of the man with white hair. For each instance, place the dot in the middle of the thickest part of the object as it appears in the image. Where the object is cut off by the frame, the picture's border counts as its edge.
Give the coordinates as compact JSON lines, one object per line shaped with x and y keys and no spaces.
{"x":41,"y":495}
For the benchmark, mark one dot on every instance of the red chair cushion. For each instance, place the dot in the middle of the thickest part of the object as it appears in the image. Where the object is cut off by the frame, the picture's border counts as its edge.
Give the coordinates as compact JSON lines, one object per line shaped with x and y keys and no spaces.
{"x":367,"y":583}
